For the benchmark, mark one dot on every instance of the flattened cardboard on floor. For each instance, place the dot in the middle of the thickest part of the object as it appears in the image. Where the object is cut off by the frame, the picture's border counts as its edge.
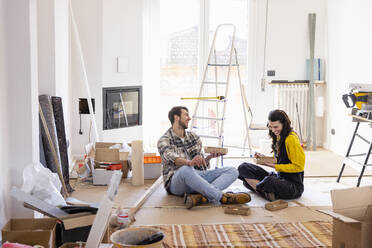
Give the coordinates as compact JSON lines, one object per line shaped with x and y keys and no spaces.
{"x":352,"y":217}
{"x":30,"y":231}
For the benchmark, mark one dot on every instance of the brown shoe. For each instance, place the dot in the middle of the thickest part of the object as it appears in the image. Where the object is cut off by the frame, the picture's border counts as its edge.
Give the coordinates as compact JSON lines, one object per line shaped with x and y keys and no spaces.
{"x":235,"y":198}
{"x":192,"y":200}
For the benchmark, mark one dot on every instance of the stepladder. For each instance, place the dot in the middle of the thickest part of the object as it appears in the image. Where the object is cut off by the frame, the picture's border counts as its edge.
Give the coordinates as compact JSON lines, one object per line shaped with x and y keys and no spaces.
{"x":210,"y":114}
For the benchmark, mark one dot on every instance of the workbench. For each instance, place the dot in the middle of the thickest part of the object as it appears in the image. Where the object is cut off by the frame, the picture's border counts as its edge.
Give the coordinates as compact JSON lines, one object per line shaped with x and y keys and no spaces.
{"x":349,"y":156}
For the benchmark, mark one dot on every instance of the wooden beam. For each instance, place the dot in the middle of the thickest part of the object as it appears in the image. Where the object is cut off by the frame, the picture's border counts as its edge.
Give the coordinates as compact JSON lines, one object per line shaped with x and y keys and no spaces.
{"x":143,"y":198}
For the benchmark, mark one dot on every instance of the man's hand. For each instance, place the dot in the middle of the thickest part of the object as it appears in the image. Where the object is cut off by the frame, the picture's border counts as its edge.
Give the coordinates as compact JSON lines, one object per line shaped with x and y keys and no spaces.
{"x":198,"y":161}
{"x":212,"y":155}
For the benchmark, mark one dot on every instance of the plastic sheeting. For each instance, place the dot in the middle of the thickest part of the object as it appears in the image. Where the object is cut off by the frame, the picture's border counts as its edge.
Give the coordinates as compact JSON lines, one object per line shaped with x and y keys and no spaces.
{"x":41,"y":183}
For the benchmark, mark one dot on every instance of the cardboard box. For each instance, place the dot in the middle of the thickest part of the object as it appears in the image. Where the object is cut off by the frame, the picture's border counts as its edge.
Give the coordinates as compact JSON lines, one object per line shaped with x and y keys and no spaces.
{"x":107,"y":145}
{"x":100,"y":224}
{"x":102,"y":153}
{"x":69,"y":227}
{"x":30,"y":231}
{"x":75,"y":227}
{"x":152,"y":171}
{"x":352,"y":217}
{"x":102,"y":176}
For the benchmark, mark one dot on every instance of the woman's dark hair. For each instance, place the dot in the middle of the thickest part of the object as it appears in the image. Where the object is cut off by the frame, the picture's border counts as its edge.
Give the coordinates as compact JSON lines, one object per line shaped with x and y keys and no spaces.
{"x":282,"y":117}
{"x":176,"y":111}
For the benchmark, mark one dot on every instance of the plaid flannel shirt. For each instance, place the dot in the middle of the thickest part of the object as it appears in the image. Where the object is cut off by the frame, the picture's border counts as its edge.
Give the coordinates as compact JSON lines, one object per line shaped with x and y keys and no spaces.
{"x":170,"y":147}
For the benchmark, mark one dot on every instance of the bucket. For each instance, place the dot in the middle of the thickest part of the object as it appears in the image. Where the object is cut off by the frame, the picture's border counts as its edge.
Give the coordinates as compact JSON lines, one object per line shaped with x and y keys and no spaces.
{"x":129,"y":237}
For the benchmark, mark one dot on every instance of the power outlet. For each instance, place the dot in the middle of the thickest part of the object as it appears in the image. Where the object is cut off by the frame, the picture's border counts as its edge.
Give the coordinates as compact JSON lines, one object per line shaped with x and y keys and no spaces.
{"x":333,"y":131}
{"x":271,"y":73}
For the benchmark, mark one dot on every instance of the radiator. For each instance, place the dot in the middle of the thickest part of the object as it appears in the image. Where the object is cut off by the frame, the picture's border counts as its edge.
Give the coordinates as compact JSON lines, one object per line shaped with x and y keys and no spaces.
{"x":287,"y":95}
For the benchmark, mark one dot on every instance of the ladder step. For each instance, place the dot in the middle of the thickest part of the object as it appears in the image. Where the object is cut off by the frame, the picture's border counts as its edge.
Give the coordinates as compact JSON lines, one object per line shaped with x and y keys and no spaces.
{"x":208,"y":82}
{"x":208,"y":118}
{"x":223,"y":64}
{"x":209,"y":136}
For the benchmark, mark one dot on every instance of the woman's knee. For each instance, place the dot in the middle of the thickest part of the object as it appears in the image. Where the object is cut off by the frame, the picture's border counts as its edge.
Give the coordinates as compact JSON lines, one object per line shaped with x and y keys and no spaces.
{"x":245,"y":169}
{"x":268,"y":184}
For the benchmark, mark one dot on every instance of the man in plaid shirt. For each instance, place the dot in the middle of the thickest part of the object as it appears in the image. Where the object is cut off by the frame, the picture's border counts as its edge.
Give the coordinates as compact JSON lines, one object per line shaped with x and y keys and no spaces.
{"x":185,"y":168}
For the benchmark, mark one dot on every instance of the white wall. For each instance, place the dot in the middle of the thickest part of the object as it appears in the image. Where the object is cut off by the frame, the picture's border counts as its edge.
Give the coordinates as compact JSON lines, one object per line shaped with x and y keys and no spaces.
{"x":4,"y":125}
{"x":151,"y":71}
{"x":108,"y":29}
{"x":46,"y":47}
{"x":62,"y":52}
{"x":122,"y":29}
{"x":19,"y":142}
{"x":88,"y":16}
{"x":349,"y":61}
{"x":53,"y":52}
{"x":287,"y":46}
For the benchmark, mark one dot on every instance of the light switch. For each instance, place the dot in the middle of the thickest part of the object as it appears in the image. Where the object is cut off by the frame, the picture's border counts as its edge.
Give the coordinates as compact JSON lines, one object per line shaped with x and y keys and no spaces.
{"x":123,"y":64}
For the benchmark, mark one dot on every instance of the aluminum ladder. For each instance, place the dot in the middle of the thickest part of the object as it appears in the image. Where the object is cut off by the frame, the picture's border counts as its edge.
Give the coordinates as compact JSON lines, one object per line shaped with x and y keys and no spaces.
{"x":219,"y":118}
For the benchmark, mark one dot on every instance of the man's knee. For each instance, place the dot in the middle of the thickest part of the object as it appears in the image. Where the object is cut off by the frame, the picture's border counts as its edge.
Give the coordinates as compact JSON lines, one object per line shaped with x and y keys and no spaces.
{"x":232,"y":172}
{"x":186,"y":170}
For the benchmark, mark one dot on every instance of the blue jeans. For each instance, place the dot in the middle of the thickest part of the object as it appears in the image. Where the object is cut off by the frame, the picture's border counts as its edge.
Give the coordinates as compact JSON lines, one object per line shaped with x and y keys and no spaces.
{"x":209,"y":183}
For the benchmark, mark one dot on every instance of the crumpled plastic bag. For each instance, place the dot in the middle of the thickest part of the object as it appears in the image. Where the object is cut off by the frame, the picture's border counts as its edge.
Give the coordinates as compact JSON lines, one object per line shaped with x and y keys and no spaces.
{"x":43,"y":184}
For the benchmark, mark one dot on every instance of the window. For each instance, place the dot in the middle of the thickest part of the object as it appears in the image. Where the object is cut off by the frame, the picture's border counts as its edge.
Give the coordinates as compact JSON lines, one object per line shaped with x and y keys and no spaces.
{"x":186,"y":29}
{"x":234,"y":12}
{"x":179,"y":29}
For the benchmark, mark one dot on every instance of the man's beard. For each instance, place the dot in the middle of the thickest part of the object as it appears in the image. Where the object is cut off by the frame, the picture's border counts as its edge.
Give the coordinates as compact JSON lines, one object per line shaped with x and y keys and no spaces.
{"x":183,"y":125}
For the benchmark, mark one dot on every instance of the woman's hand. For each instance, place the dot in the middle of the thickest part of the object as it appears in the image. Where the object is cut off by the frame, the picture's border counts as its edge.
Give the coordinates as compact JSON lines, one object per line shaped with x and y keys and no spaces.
{"x":270,"y":165}
{"x":258,"y":155}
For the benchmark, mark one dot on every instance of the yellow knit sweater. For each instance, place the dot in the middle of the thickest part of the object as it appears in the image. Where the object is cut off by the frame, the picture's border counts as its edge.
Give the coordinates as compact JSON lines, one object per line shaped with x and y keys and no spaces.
{"x":295,"y":154}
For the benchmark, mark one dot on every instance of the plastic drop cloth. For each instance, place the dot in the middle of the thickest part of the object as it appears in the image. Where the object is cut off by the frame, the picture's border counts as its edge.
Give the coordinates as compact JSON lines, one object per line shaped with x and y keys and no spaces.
{"x":43,"y":184}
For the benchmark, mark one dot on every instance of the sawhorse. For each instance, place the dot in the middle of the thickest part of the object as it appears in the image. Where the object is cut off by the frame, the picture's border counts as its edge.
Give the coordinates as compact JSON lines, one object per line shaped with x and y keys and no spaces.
{"x":358,"y":119}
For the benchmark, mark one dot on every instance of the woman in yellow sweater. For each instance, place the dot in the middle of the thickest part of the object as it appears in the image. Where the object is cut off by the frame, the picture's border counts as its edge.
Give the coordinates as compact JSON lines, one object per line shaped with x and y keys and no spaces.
{"x":287,"y":183}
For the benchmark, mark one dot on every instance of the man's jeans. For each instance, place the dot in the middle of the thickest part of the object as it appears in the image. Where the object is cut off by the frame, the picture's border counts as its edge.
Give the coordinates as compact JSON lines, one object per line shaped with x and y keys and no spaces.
{"x":209,"y":183}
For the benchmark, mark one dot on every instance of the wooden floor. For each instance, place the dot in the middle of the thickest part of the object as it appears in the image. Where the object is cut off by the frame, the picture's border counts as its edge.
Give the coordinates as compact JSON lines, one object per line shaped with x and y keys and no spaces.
{"x":321,"y":170}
